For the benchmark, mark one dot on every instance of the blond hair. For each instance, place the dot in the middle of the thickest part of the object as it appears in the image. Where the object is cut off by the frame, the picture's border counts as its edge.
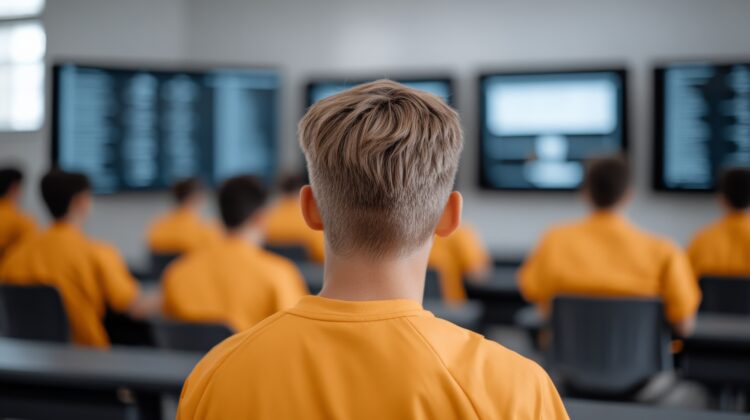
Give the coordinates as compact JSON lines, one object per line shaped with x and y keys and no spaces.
{"x":382,"y":159}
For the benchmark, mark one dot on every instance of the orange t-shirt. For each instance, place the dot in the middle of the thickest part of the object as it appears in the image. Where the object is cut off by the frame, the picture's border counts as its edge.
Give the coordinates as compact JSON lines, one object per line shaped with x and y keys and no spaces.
{"x":604,"y":255}
{"x":89,"y":275}
{"x":181,"y":231}
{"x":14,"y":225}
{"x":723,"y":248}
{"x":454,"y":256}
{"x":233,"y":283}
{"x":333,"y":359}
{"x":286,"y":226}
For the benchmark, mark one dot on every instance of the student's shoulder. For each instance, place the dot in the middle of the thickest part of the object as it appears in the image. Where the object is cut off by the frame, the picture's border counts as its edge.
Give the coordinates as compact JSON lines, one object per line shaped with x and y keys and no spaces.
{"x":707,"y":234}
{"x":277,"y":263}
{"x":563,"y":230}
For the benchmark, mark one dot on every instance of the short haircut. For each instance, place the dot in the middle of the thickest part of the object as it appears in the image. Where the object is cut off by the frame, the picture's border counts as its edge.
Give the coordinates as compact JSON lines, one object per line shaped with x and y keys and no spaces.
{"x":184,"y":189}
{"x":734,"y":186}
{"x":59,"y":188}
{"x":9,"y":177}
{"x":239,"y":199}
{"x":607,"y":181}
{"x":382,"y":158}
{"x":292,"y":183}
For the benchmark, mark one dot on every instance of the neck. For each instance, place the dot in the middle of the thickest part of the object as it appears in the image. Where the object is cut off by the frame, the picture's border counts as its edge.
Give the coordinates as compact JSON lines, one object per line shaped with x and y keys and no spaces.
{"x":72,"y":220}
{"x":250,"y":235}
{"x":360,"y":278}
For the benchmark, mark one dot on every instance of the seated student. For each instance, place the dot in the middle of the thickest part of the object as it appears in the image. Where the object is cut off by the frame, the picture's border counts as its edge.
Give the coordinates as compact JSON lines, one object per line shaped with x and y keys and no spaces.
{"x":605,"y":255}
{"x":382,"y":159}
{"x":723,"y":248}
{"x":459,"y":256}
{"x":285,"y":224}
{"x":181,"y":230}
{"x":90,"y":275}
{"x":235,"y":282}
{"x":14,"y":224}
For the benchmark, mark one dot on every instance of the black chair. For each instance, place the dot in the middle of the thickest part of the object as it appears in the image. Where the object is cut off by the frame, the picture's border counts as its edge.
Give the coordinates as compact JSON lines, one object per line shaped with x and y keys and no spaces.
{"x":726,"y":295}
{"x":296,"y":253}
{"x":432,"y":286}
{"x":608,"y":348}
{"x":160,"y":261}
{"x":196,"y":337}
{"x":33,"y":313}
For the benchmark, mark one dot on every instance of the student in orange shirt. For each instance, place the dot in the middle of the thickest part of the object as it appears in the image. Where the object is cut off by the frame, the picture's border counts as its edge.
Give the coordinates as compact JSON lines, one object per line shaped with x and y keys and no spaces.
{"x":235,"y":282}
{"x":181,"y":230}
{"x":285,"y":224}
{"x":382,"y":159}
{"x":459,"y":256}
{"x":89,"y":275}
{"x":14,"y":224}
{"x":723,"y":248}
{"x":605,"y":255}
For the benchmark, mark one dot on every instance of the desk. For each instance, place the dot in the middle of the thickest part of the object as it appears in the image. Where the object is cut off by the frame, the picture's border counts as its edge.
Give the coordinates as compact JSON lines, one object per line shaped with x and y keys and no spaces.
{"x":499,"y":296}
{"x":595,"y":410}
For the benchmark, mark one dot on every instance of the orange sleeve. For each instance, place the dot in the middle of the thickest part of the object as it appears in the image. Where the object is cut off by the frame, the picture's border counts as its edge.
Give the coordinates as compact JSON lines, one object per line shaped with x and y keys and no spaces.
{"x":26,"y":227}
{"x":120,"y":289}
{"x":531,"y":276}
{"x":680,"y":292}
{"x":695,"y":252}
{"x":469,"y":250}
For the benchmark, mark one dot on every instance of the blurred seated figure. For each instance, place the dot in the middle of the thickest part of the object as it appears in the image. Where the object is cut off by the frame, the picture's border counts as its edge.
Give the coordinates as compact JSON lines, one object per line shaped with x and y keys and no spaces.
{"x":605,"y":255}
{"x":235,"y":282}
{"x":723,"y":248}
{"x":14,"y":224}
{"x":286,"y":227}
{"x":459,"y":256}
{"x":182,"y":230}
{"x":91,"y":276}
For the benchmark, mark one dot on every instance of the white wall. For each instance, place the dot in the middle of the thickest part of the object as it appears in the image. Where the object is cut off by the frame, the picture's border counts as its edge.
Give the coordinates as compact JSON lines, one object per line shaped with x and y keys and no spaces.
{"x":307,"y":37}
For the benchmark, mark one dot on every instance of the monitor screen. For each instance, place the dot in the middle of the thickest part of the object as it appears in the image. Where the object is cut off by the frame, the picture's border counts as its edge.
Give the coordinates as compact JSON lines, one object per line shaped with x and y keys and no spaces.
{"x":145,"y":128}
{"x":538,"y":128}
{"x":319,"y":89}
{"x":702,"y":123}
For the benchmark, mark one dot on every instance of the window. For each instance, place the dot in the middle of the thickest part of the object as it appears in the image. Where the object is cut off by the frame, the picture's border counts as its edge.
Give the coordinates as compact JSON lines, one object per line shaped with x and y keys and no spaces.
{"x":22,"y":48}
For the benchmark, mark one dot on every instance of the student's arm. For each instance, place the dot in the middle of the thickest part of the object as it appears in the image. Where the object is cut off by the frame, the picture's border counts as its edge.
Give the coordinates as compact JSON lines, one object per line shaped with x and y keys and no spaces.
{"x":680,"y":292}
{"x":531,"y":276}
{"x":121,"y":291}
{"x":473,"y":257}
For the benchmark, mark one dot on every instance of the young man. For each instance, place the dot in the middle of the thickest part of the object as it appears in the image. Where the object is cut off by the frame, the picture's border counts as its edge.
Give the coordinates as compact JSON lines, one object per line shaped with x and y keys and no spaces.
{"x":181,"y":230}
{"x":234,"y":282}
{"x":605,"y":255}
{"x":14,"y":224}
{"x":459,"y":256}
{"x":382,"y":159}
{"x":286,"y":225}
{"x":723,"y":248}
{"x":89,"y":275}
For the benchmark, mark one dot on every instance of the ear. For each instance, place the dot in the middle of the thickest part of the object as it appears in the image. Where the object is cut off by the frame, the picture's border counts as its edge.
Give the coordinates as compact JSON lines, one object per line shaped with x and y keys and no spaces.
{"x":310,"y":208}
{"x":451,"y":218}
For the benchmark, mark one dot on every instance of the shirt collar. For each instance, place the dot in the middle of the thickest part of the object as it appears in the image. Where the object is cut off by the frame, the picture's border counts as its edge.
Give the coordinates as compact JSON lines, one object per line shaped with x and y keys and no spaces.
{"x":318,"y":307}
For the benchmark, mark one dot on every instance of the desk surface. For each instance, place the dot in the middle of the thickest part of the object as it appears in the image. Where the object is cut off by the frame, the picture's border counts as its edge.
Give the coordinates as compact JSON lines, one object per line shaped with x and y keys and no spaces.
{"x":595,"y":410}
{"x":38,"y":363}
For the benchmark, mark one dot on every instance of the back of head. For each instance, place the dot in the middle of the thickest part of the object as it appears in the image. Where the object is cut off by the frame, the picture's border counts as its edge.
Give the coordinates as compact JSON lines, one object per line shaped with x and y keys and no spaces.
{"x":59,"y":188}
{"x":9,"y":178}
{"x":239,"y":199}
{"x":607,"y":181}
{"x":185,"y":189}
{"x":382,"y":160}
{"x":292,"y":183}
{"x":734,"y":186}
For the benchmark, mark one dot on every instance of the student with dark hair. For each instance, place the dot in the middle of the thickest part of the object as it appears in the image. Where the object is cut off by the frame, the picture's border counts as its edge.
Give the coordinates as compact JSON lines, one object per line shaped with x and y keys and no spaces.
{"x":14,"y":224}
{"x":235,"y":282}
{"x":605,"y":255}
{"x":723,"y":248}
{"x":91,"y":276}
{"x":182,"y":230}
{"x":286,"y":227}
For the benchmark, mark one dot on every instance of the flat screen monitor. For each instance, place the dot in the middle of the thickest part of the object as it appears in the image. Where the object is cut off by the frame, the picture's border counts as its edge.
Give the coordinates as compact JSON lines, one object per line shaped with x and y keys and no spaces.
{"x":538,"y":128}
{"x":323,"y":88}
{"x":136,"y":129}
{"x":702,"y":123}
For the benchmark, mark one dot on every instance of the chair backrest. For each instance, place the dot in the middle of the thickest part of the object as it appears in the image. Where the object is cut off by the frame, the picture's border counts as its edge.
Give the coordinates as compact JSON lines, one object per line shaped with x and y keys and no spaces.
{"x":432,"y":287}
{"x":608,"y":347}
{"x":726,"y":295}
{"x":197,"y":337}
{"x":296,"y":253}
{"x":34,"y":313}
{"x":160,"y":261}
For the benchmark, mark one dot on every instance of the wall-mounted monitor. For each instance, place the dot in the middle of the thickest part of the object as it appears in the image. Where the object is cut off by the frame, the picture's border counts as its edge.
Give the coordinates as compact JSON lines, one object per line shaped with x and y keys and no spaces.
{"x":143,"y":128}
{"x":318,"y":89}
{"x":702,"y":123}
{"x":537,"y":128}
